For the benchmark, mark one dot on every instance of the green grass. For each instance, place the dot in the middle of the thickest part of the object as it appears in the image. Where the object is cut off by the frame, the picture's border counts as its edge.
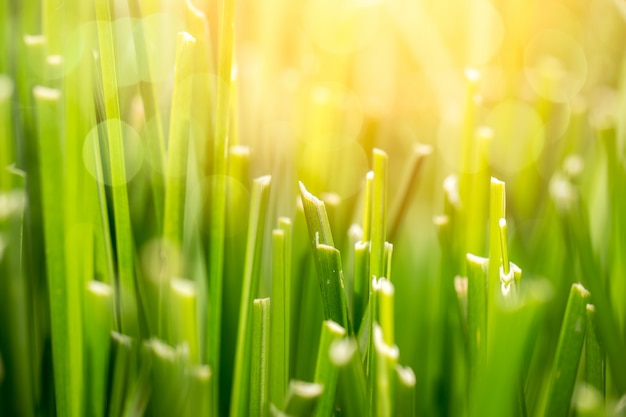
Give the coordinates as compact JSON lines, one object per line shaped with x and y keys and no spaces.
{"x":379,"y":173}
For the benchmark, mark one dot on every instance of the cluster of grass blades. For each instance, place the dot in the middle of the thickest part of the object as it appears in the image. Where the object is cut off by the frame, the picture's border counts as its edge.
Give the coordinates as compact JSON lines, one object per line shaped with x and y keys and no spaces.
{"x":332,"y":218}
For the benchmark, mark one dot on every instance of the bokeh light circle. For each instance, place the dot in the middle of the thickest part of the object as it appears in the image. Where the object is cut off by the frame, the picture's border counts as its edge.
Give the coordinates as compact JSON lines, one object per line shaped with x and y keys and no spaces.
{"x":133,"y":150}
{"x":555,"y":65}
{"x":518,"y":136}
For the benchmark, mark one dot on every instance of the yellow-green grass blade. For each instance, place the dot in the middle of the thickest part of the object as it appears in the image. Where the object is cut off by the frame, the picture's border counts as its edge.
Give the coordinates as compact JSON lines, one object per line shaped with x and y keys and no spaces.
{"x":351,"y":385}
{"x":123,"y":232}
{"x":122,"y":363}
{"x":156,"y":146}
{"x":301,"y":399}
{"x":512,"y":334}
{"x":361,"y":282}
{"x":497,"y":211}
{"x":176,"y":174}
{"x":379,"y":214}
{"x":7,"y":152}
{"x":568,"y":352}
{"x":407,"y":188}
{"x":98,"y":326}
{"x":254,"y":249}
{"x":595,"y":369}
{"x":404,"y":401}
{"x":183,"y":323}
{"x":17,"y":391}
{"x":216,"y":221}
{"x":281,"y":311}
{"x":477,"y":311}
{"x":237,"y":213}
{"x":327,"y":260}
{"x":577,"y":235}
{"x":66,"y":327}
{"x":386,"y":359}
{"x":259,"y":362}
{"x":325,"y":371}
{"x":198,"y":401}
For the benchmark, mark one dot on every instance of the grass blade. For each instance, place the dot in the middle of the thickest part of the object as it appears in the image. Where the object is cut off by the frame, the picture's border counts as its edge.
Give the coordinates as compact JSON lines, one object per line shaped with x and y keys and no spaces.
{"x":379,"y":214}
{"x":386,"y":358}
{"x":477,"y":307}
{"x":302,"y":398}
{"x":576,"y":230}
{"x":98,"y":326}
{"x":351,"y":386}
{"x":568,"y":353}
{"x":407,"y":188}
{"x":405,"y":391}
{"x":176,"y":174}
{"x":325,"y":370}
{"x":183,"y":320}
{"x":258,"y":212}
{"x":281,"y":312}
{"x":497,"y":211}
{"x":259,"y":362}
{"x":216,"y":221}
{"x":123,"y":232}
{"x":594,"y":354}
{"x":66,"y":338}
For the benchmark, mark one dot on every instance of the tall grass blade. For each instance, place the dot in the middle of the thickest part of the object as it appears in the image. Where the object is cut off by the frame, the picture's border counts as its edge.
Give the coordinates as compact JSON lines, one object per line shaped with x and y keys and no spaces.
{"x":259,"y":362}
{"x":258,"y":213}
{"x":568,"y":353}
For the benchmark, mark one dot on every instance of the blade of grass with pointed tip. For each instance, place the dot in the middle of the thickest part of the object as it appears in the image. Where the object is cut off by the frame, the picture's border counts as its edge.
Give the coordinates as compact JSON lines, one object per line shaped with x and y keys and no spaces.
{"x":98,"y":326}
{"x":325,"y":370}
{"x":576,"y":234}
{"x":332,"y":287}
{"x":594,"y":354}
{"x":568,"y":353}
{"x":254,"y":249}
{"x":351,"y":385}
{"x":123,"y":230}
{"x":259,"y":362}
